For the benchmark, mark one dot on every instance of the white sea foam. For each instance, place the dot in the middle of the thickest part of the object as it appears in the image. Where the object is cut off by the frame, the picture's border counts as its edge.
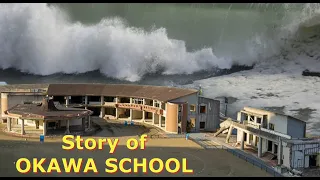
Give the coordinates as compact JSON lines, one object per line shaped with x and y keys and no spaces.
{"x":41,"y":40}
{"x":270,"y":85}
{"x":38,"y":39}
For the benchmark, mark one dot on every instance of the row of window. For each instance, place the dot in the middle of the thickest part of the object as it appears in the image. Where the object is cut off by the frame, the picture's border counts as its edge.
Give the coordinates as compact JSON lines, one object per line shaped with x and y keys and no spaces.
{"x":202,"y":109}
{"x":259,"y":121}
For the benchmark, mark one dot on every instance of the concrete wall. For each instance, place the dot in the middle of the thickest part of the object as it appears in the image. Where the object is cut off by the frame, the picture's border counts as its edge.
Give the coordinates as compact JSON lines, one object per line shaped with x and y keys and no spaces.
{"x":20,"y":99}
{"x":8,"y":101}
{"x":191,"y":100}
{"x":297,"y":159}
{"x":296,"y":128}
{"x":279,"y":121}
{"x":239,"y":135}
{"x":286,"y":156}
{"x":4,"y":103}
{"x":212,"y":115}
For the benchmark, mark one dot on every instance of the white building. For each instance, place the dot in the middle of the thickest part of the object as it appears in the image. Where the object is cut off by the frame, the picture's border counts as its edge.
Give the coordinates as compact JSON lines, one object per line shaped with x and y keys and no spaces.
{"x":279,"y":125}
{"x":274,"y":133}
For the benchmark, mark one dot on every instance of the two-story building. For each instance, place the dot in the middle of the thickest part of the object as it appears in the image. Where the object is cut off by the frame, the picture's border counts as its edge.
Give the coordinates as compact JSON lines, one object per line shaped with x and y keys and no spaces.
{"x":174,"y":110}
{"x":274,"y":133}
{"x":274,"y":123}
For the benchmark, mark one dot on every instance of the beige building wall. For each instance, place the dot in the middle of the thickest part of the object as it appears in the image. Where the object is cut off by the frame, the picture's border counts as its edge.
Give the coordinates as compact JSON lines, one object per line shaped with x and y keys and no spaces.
{"x":4,"y":103}
{"x":172,"y":118}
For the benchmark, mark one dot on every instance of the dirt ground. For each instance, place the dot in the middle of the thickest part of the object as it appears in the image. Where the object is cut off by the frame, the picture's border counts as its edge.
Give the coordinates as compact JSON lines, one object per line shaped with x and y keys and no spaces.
{"x":203,"y":162}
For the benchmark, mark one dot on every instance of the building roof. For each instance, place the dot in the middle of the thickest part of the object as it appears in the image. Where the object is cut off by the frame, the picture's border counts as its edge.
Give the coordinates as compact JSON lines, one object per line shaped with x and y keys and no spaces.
{"x":23,"y":87}
{"x":313,"y":140}
{"x":46,"y":110}
{"x":264,"y":111}
{"x":160,"y":93}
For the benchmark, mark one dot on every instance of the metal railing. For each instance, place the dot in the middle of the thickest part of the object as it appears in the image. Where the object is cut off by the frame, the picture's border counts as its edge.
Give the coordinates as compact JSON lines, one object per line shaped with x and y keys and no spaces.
{"x":253,"y":161}
{"x":242,"y":156}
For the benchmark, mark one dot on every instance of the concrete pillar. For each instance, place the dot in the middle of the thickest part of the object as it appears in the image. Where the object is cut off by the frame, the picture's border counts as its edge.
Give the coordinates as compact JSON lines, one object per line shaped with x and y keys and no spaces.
{"x":85,"y":102}
{"x":4,"y":103}
{"x":160,"y":117}
{"x":153,"y":114}
{"x":68,"y":127}
{"x":67,"y":101}
{"x":44,"y":128}
{"x":117,"y":113}
{"x":89,"y":122}
{"x":131,"y":112}
{"x":242,"y":140}
{"x":229,"y":134}
{"x":144,"y":112}
{"x":8,"y":124}
{"x":260,"y":147}
{"x":280,"y":152}
{"x":102,"y":100}
{"x":102,"y":112}
{"x":22,"y":127}
{"x":153,"y":119}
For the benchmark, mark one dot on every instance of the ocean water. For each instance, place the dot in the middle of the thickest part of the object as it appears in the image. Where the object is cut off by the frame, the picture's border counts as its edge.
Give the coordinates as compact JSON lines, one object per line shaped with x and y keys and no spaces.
{"x":184,"y":45}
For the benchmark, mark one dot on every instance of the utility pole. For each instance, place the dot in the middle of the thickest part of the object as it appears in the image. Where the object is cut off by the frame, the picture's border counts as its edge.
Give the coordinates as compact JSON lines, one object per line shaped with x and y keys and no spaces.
{"x":226,"y":104}
{"x":200,"y":90}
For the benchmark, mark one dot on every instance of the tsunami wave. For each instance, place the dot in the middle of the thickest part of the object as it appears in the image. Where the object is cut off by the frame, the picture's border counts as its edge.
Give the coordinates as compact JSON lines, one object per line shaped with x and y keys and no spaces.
{"x":41,"y":40}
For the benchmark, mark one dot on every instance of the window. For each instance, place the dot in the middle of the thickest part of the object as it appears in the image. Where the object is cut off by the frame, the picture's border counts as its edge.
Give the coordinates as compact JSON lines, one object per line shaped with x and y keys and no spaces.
{"x":156,"y":104}
{"x":259,"y":120}
{"x":124,"y":100}
{"x":109,"y":99}
{"x":202,"y":109}
{"x":251,"y":118}
{"x":137,"y":101}
{"x":202,"y":125}
{"x":192,"y":107}
{"x":271,"y":126}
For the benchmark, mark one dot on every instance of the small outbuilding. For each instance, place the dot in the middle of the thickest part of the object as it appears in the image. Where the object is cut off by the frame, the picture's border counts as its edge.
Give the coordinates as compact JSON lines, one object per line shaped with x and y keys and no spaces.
{"x":48,"y":117}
